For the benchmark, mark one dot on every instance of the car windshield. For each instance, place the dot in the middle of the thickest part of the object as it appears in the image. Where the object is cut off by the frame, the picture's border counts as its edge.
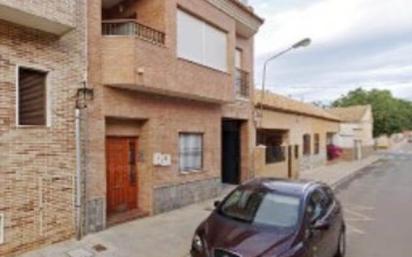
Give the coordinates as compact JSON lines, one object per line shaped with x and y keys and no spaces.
{"x":259,"y":207}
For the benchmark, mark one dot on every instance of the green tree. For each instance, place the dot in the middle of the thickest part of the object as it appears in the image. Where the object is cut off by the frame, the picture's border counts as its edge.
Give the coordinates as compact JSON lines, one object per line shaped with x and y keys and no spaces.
{"x":391,"y":115}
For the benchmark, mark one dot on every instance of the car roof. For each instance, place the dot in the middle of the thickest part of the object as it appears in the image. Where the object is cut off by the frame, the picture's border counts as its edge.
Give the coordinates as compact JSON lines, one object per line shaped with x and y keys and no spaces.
{"x":299,"y":187}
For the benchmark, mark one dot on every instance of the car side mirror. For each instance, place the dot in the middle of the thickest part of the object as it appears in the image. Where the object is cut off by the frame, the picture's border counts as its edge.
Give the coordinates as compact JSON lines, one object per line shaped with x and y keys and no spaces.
{"x":216,"y":204}
{"x":321,"y":225}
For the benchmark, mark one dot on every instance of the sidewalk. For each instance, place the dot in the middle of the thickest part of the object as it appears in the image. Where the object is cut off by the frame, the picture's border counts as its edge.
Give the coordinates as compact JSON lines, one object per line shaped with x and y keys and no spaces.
{"x":170,"y":234}
{"x":336,"y":174}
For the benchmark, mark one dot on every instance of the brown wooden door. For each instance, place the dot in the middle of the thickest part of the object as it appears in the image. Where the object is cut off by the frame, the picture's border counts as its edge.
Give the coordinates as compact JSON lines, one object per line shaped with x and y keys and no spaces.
{"x":121,"y":174}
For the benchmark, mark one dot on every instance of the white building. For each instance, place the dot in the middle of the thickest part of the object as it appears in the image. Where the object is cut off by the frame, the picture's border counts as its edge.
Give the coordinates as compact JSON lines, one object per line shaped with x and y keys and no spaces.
{"x":356,"y":131}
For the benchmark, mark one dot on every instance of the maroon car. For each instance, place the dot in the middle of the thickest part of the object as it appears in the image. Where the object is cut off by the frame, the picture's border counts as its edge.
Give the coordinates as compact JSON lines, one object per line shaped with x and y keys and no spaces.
{"x":273,"y":218}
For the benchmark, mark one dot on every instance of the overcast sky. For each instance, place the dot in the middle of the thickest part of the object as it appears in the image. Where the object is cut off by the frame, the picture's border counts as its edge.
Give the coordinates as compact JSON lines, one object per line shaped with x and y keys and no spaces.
{"x":356,"y":43}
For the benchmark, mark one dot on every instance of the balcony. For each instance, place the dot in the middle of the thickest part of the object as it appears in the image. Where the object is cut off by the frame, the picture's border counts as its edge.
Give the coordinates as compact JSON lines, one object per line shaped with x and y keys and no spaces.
{"x":242,"y":83}
{"x":55,"y":17}
{"x":145,"y":65}
{"x":130,"y":27}
{"x":138,"y":55}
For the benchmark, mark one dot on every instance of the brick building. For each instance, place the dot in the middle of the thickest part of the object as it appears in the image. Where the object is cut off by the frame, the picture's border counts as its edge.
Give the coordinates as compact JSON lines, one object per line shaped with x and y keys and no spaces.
{"x":112,"y":110}
{"x":172,"y":84}
{"x":42,"y":64}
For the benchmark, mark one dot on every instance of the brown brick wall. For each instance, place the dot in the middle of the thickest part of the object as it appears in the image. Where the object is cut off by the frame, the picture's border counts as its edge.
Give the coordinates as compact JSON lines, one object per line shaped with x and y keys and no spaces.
{"x":64,"y":12}
{"x":162,"y":70}
{"x":171,"y":96}
{"x":37,"y":164}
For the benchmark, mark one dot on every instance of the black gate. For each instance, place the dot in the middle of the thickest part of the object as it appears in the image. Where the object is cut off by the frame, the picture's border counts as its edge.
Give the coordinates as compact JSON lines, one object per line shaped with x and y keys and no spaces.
{"x":231,"y":152}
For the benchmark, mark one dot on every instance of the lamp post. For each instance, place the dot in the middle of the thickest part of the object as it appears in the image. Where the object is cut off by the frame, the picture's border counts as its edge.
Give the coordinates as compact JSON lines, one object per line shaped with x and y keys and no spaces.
{"x":303,"y":43}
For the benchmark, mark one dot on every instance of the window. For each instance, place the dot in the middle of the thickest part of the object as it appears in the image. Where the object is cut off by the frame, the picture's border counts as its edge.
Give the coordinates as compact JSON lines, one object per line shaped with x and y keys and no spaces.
{"x":200,"y":42}
{"x":319,"y":203}
{"x":306,"y":144}
{"x":275,"y":154}
{"x":32,"y":102}
{"x":329,"y":197}
{"x":314,"y":209}
{"x":238,"y":58}
{"x":296,"y":151}
{"x":317,"y":144}
{"x":190,"y":152}
{"x":273,"y":140}
{"x":329,"y":138}
{"x":258,"y":207}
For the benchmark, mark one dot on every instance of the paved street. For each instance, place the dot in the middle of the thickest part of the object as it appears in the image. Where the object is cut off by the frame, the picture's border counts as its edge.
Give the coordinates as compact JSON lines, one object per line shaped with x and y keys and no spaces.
{"x":378,"y":207}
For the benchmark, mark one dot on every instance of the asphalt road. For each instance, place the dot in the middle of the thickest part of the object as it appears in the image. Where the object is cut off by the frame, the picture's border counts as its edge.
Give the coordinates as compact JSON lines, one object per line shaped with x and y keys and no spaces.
{"x":378,"y":207}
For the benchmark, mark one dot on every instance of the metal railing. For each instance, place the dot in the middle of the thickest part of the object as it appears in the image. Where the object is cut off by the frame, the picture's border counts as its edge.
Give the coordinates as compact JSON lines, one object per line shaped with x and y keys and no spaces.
{"x":241,"y":83}
{"x":130,"y":27}
{"x":275,"y":154}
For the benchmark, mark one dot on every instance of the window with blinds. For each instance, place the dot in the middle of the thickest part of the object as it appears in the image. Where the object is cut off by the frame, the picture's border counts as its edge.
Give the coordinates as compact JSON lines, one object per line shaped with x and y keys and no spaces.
{"x":199,"y":42}
{"x":238,"y":58}
{"x":306,"y":144}
{"x":32,"y":100}
{"x":190,"y":152}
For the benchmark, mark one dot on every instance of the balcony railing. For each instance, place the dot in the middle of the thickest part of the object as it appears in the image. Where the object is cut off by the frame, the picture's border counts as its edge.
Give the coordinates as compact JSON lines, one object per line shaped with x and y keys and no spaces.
{"x":130,"y":27}
{"x":241,"y":83}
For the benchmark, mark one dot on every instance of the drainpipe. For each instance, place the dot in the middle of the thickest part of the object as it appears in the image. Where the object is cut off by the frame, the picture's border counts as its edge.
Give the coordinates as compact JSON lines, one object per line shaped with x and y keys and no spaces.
{"x":78,"y":124}
{"x":78,"y":203}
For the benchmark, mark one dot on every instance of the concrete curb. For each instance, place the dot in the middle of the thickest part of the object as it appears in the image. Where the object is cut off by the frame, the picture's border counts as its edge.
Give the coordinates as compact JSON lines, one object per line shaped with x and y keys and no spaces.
{"x":346,"y":179}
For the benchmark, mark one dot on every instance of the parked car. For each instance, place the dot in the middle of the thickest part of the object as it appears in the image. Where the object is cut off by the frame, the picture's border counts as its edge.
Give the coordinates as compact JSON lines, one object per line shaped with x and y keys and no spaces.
{"x":273,"y":218}
{"x":334,"y":152}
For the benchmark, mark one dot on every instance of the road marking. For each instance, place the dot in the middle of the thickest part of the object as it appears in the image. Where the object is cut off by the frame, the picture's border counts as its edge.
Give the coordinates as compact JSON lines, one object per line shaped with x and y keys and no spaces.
{"x":355,"y":215}
{"x":358,"y":216}
{"x":355,"y":230}
{"x":359,"y":207}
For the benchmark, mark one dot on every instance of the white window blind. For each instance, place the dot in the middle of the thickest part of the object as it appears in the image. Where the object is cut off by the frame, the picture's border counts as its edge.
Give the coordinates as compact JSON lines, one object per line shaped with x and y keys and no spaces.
{"x":199,"y":42}
{"x":190,"y":152}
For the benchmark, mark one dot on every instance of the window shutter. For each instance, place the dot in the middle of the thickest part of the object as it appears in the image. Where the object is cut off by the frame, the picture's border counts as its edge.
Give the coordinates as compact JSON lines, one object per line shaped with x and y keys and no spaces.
{"x":199,"y":42}
{"x":215,"y":54}
{"x":32,"y":97}
{"x":189,"y":37}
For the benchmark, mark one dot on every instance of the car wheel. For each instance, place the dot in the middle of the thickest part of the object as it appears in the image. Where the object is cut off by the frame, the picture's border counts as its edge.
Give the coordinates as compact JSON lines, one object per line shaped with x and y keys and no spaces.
{"x":340,"y":252}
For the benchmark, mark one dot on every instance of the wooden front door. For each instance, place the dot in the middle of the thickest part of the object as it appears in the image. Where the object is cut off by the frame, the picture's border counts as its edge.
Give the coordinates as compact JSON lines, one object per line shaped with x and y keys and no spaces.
{"x":121,"y":165}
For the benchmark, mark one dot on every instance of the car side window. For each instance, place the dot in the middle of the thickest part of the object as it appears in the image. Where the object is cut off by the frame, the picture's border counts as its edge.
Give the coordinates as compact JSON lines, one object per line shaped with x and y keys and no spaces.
{"x":328,"y":197}
{"x":319,"y":203}
{"x":314,"y":208}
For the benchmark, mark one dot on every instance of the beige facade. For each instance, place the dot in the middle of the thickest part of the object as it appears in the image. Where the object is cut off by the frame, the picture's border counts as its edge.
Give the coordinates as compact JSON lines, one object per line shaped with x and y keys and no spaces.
{"x":143,"y":90}
{"x":37,"y":163}
{"x":290,"y":121}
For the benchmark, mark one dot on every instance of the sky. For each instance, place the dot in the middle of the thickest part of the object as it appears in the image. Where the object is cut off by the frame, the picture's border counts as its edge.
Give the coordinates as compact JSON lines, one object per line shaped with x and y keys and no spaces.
{"x":355,"y":43}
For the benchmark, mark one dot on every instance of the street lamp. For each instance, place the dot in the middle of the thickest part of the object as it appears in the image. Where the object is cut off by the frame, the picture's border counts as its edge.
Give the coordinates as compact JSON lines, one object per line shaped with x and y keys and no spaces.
{"x":303,"y":43}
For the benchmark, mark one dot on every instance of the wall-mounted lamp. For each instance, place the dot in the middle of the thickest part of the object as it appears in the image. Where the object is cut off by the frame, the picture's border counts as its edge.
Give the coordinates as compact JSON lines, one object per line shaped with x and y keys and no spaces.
{"x":83,"y":95}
